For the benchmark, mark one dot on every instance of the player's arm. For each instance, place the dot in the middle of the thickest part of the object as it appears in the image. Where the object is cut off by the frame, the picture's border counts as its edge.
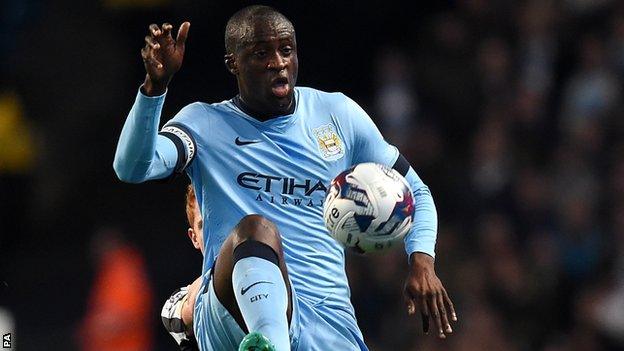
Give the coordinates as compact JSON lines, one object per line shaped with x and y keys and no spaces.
{"x":177,"y":316}
{"x":189,"y":306}
{"x":423,"y":289}
{"x":142,"y":154}
{"x":370,"y":146}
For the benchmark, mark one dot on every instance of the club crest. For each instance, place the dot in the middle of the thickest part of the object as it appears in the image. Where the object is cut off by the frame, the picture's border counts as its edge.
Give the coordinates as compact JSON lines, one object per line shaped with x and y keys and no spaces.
{"x":329,"y":143}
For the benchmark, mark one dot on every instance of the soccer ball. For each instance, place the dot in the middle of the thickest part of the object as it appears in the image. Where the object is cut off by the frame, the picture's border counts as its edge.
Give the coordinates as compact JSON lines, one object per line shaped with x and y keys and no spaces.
{"x":368,"y":207}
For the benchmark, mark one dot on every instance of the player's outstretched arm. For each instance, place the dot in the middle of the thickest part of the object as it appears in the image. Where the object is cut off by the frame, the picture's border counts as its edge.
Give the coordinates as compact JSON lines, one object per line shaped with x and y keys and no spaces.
{"x":141,"y":153}
{"x":423,"y":289}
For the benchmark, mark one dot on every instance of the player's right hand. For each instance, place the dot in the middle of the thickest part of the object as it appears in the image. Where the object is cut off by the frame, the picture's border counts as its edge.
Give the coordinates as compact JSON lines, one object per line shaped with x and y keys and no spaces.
{"x":162,"y":56}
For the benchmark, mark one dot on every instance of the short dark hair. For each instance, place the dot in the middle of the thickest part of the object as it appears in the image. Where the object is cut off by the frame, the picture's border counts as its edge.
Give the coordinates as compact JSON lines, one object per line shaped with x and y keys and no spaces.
{"x":240,"y":24}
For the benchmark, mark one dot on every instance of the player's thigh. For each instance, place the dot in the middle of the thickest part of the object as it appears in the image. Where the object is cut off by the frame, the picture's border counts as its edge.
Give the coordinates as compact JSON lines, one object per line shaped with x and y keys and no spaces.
{"x":214,"y":326}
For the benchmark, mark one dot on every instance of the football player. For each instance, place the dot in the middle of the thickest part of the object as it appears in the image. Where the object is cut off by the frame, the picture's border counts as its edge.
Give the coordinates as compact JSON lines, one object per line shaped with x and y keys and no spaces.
{"x":177,"y":313}
{"x":260,"y":163}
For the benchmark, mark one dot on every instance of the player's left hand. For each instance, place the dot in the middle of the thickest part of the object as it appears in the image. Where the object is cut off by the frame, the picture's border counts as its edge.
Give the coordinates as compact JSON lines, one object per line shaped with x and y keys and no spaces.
{"x":424,"y":291}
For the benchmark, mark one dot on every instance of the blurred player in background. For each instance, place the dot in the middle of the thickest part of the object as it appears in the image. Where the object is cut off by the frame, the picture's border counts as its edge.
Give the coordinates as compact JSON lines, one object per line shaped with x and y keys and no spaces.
{"x":260,"y":164}
{"x":119,"y":309}
{"x":177,"y":313}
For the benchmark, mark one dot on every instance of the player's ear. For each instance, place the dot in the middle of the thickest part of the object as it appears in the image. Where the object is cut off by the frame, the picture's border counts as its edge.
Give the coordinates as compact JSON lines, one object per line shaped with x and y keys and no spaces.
{"x":230,"y":63}
{"x":189,"y":232}
{"x":193,"y":236}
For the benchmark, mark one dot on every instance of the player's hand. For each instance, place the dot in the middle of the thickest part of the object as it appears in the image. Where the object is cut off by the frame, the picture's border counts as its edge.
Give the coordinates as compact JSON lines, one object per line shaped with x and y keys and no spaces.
{"x":424,"y":291}
{"x":162,"y":56}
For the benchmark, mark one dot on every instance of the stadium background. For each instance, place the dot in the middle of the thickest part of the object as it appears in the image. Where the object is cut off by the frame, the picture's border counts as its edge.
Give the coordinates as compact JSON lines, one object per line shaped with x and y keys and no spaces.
{"x":510,"y":111}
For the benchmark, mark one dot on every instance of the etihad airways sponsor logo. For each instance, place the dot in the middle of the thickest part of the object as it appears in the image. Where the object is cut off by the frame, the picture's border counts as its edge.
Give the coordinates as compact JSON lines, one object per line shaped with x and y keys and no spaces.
{"x":283,"y":190}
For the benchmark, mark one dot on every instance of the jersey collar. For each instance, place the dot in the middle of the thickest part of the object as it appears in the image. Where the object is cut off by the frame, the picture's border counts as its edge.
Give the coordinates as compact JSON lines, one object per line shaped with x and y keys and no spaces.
{"x":279,"y":122}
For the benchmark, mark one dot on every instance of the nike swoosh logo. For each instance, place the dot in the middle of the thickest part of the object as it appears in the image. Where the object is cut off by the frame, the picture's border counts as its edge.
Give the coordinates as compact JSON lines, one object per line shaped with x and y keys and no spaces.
{"x":245,"y":142}
{"x":244,"y":290}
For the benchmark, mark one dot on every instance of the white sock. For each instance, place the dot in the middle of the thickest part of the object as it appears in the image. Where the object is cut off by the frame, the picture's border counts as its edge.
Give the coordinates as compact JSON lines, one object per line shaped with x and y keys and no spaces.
{"x":262,"y":298}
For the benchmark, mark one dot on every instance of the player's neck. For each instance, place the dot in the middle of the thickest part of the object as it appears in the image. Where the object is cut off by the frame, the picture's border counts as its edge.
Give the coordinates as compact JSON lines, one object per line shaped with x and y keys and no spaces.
{"x":259,"y":115}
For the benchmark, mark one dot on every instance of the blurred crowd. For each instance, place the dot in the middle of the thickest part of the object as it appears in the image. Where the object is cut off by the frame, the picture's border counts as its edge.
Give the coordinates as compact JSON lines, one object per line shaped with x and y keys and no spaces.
{"x":513,"y":115}
{"x":511,"y":112}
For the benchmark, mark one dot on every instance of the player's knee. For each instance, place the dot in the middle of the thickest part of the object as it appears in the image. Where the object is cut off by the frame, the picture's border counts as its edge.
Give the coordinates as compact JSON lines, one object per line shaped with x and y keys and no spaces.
{"x":257,"y":227}
{"x":255,"y":235}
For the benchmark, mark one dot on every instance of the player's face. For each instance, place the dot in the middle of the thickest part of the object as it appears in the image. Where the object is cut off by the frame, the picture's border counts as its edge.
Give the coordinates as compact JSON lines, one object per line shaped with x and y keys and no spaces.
{"x":267,"y":67}
{"x":196,"y":232}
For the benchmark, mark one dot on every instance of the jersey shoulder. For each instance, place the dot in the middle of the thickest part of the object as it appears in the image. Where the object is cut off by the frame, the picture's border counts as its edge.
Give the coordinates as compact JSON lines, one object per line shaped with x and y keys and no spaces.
{"x":202,"y":116}
{"x":196,"y":111}
{"x":317,"y":95}
{"x":342,"y":108}
{"x":316,"y":101}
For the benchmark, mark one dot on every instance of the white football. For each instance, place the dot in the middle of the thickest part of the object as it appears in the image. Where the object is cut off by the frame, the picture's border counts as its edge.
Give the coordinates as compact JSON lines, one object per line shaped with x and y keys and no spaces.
{"x":368,"y":207}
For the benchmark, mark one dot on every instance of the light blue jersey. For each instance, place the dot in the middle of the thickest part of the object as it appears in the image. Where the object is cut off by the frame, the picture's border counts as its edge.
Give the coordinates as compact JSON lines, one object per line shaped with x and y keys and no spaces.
{"x":279,"y":168}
